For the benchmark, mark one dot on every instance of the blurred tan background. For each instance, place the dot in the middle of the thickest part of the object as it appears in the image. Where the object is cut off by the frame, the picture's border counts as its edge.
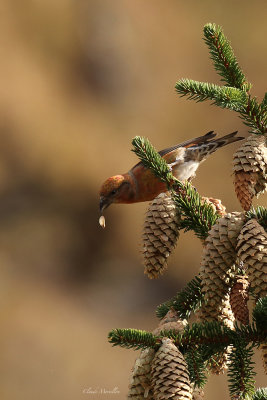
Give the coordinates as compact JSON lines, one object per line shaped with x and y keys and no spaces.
{"x":79,"y":79}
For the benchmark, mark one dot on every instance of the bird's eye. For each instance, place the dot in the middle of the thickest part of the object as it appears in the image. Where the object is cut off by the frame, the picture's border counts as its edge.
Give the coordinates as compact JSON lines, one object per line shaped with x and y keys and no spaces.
{"x":114,"y":191}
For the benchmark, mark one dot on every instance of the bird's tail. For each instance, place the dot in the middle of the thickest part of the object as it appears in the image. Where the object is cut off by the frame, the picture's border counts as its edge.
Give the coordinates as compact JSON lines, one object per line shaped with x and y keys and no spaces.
{"x":203,"y":150}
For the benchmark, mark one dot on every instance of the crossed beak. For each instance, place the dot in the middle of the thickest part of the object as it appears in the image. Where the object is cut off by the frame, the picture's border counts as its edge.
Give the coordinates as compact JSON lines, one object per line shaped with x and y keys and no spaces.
{"x":103,"y":203}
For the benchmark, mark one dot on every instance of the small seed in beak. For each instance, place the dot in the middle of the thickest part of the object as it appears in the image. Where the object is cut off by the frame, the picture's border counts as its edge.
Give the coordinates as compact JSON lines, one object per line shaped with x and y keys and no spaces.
{"x":102,"y":221}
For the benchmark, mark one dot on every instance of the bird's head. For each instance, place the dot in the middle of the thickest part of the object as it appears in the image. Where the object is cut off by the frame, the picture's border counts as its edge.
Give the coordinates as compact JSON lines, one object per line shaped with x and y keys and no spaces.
{"x":116,"y":189}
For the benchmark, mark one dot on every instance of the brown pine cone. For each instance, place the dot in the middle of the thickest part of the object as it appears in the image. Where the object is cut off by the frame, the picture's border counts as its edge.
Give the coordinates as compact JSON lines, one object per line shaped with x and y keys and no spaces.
{"x":245,"y":183}
{"x":216,"y":205}
{"x":216,"y":271}
{"x":219,"y":363}
{"x":250,"y":169}
{"x":198,"y":394}
{"x":252,"y":251}
{"x":139,"y":387}
{"x":218,"y":262}
{"x":140,"y":381}
{"x":171,"y":316}
{"x":170,"y":378}
{"x":222,"y":314}
{"x":171,"y":321}
{"x":239,"y":296}
{"x":161,"y":232}
{"x":225,"y":315}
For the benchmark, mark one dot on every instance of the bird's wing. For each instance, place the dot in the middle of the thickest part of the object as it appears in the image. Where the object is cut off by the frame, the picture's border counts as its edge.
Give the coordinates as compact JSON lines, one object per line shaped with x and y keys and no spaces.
{"x":189,"y":143}
{"x":204,"y":149}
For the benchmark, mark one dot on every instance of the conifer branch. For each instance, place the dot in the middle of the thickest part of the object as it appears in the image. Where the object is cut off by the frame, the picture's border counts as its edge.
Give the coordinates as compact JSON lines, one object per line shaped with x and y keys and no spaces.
{"x":133,"y":339}
{"x":196,"y":367}
{"x":223,"y":57}
{"x":185,"y":302}
{"x":214,"y":335}
{"x":255,"y":116}
{"x":208,"y":333}
{"x":196,"y":215}
{"x":241,"y":374}
{"x":235,"y":94}
{"x":150,"y":158}
{"x":222,"y":96}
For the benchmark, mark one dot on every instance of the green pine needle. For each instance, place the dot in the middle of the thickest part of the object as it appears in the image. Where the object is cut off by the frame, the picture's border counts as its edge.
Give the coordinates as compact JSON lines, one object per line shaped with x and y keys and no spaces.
{"x":223,"y":57}
{"x":222,"y":96}
{"x":185,"y":302}
{"x":213,"y":336}
{"x":260,"y":315}
{"x":260,"y":394}
{"x":260,"y":214}
{"x":240,"y":373}
{"x":132,"y":339}
{"x":150,"y":158}
{"x":264,"y":102}
{"x":196,"y":367}
{"x":255,"y":116}
{"x":195,"y":215}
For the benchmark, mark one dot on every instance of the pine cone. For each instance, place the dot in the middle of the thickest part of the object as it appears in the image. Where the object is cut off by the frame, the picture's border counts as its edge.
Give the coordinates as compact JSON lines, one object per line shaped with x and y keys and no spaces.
{"x":218,"y":263}
{"x":216,"y":205}
{"x":252,"y":251}
{"x":161,"y":232}
{"x":171,"y":321}
{"x":218,"y":365}
{"x":139,"y":387}
{"x":171,"y":316}
{"x":250,"y":171}
{"x":245,"y":183}
{"x":263,"y":348}
{"x":222,"y":314}
{"x":239,"y":297}
{"x":198,"y":394}
{"x":140,"y":381}
{"x":170,"y":378}
{"x":216,"y":271}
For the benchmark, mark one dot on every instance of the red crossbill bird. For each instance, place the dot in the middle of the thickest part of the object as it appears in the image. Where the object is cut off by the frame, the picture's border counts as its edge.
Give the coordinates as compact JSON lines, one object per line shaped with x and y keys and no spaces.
{"x":140,"y":183}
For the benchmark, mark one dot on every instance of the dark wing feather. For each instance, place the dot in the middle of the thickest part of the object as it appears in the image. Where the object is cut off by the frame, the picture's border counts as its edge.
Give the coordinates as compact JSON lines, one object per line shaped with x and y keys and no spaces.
{"x":189,"y":143}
